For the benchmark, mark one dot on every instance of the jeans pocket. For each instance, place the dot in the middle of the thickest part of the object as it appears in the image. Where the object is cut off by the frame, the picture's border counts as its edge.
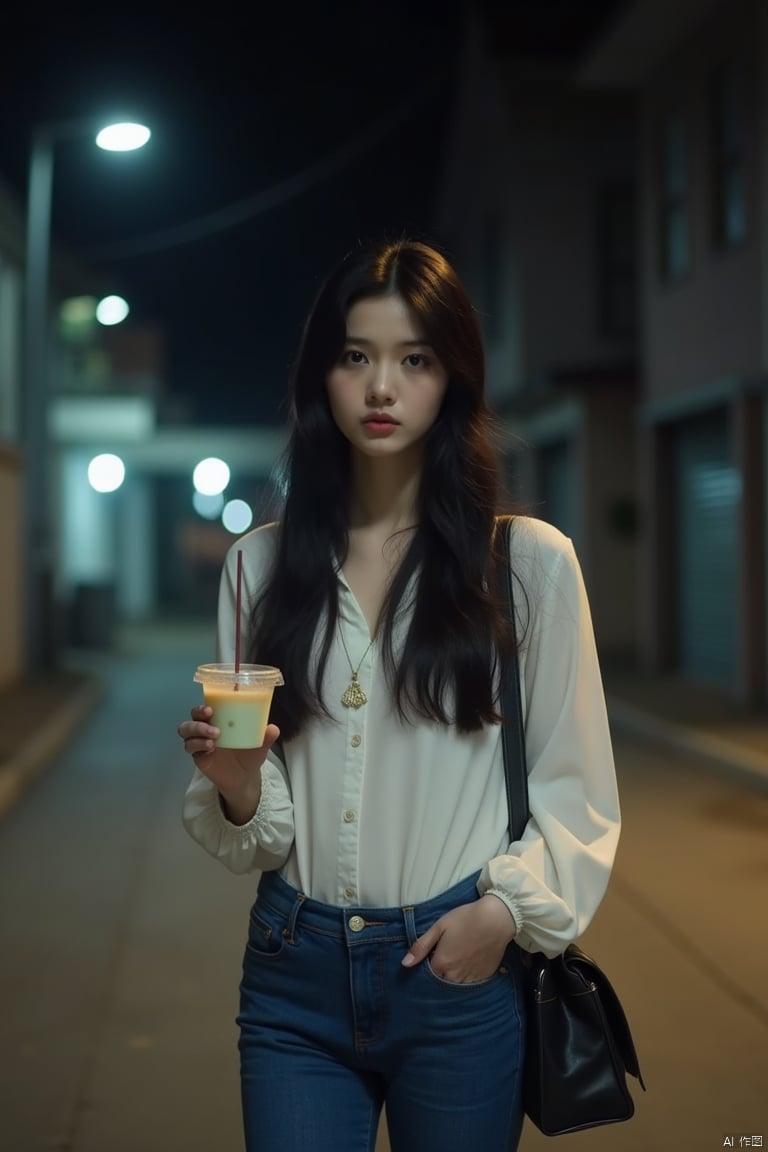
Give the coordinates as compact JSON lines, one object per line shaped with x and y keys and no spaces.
{"x":412,"y":934}
{"x":267,"y":931}
{"x":464,"y":986}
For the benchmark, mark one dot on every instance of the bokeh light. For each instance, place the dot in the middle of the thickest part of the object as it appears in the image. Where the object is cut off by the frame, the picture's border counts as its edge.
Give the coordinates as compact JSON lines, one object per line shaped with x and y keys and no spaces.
{"x":77,"y":318}
{"x":211,"y":476}
{"x":209,"y":507}
{"x":111,"y":310}
{"x":106,"y":472}
{"x":237,"y":516}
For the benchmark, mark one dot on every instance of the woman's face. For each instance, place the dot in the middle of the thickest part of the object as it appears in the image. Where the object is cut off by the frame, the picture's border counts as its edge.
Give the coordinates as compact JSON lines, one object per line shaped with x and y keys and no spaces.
{"x":386,"y":388}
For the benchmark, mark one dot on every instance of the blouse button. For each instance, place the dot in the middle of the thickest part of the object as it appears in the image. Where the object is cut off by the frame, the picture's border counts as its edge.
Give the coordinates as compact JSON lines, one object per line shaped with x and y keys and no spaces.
{"x":350,"y":893}
{"x":349,"y":816}
{"x":356,"y":741}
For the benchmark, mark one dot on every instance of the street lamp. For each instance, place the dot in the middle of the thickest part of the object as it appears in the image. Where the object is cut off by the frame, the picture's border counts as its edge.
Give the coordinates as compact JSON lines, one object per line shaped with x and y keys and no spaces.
{"x":38,"y":582}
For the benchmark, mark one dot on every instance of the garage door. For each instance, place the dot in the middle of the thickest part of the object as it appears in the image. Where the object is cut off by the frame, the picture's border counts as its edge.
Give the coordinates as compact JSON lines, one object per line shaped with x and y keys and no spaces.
{"x":709,"y":492}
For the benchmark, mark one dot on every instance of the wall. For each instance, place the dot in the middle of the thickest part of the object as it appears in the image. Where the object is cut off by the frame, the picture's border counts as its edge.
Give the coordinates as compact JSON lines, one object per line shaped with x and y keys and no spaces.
{"x":473,"y":213}
{"x":526,"y":165}
{"x":610,"y":552}
{"x":568,"y":146}
{"x":707,"y":327}
{"x":11,"y":614}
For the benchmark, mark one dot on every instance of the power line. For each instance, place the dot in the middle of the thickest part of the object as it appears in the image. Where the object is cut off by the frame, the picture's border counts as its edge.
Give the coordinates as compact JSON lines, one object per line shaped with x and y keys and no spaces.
{"x":273,"y":197}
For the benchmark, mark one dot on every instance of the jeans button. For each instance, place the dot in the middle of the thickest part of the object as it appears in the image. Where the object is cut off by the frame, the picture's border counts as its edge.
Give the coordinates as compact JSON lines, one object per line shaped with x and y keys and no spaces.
{"x":356,"y":923}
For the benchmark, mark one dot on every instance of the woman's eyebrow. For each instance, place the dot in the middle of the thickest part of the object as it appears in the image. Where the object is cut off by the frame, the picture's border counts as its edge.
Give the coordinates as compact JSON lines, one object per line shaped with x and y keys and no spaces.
{"x":401,"y":343}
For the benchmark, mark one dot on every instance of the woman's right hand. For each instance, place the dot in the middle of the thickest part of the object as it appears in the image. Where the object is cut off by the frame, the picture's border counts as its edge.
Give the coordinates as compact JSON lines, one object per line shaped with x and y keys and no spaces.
{"x":236,"y":772}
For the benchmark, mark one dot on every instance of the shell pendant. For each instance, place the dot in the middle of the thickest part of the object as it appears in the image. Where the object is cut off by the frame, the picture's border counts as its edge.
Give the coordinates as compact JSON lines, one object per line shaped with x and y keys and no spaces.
{"x":354,"y":697}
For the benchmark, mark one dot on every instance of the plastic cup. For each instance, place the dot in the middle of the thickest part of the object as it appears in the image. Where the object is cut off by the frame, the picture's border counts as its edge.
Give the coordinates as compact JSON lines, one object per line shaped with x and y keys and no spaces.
{"x":240,"y":701}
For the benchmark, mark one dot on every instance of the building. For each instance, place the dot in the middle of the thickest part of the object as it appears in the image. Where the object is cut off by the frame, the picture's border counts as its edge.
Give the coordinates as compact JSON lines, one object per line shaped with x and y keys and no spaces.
{"x":537,"y":212}
{"x":609,"y":213}
{"x":698,"y":77}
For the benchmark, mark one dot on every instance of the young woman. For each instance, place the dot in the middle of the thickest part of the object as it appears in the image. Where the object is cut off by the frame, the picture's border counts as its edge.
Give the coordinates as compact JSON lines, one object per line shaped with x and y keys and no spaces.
{"x":383,"y":958}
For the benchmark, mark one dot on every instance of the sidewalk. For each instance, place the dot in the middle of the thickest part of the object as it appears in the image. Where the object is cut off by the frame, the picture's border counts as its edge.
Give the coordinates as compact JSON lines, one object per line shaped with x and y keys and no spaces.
{"x":695,"y":719}
{"x":41,"y":718}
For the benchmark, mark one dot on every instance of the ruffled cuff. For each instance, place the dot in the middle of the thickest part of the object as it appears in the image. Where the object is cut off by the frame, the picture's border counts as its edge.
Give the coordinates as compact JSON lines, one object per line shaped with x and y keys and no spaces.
{"x":263,"y":843}
{"x":259,"y":824}
{"x":510,"y":904}
{"x":533,"y":915}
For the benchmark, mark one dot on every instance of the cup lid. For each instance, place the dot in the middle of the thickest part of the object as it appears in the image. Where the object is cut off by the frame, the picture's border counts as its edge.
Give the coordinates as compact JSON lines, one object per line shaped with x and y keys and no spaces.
{"x":253,"y":675}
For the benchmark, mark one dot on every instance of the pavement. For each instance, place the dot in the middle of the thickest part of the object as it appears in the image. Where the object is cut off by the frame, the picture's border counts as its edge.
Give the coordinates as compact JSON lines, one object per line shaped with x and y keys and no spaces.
{"x":43,"y":715}
{"x":696,"y":719}
{"x":40,"y":717}
{"x":122,"y":941}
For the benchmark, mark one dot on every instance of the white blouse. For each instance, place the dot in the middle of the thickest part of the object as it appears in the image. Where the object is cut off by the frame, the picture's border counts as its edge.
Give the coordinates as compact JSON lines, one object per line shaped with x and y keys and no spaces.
{"x":367,"y":811}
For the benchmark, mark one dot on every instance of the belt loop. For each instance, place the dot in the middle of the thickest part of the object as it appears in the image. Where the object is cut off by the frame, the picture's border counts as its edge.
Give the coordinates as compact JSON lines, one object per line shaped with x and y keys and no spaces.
{"x":410,"y":924}
{"x":289,"y":932}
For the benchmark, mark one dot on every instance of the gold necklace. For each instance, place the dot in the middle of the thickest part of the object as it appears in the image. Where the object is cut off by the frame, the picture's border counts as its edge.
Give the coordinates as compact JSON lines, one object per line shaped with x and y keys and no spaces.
{"x":354,"y":697}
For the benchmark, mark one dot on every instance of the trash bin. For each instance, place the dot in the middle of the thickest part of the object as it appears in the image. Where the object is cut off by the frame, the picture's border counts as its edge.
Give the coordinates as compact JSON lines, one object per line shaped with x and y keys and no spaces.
{"x":93,"y":616}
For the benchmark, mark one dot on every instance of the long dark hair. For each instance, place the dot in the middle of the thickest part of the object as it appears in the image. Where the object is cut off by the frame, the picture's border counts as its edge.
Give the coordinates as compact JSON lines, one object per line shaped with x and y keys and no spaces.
{"x":446,"y":669}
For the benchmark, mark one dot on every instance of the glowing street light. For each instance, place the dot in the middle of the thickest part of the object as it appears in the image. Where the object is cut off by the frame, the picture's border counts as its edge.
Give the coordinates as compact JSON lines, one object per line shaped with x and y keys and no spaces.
{"x":211,"y":476}
{"x":106,"y":472}
{"x":111,"y":310}
{"x":123,"y":137}
{"x":38,"y":580}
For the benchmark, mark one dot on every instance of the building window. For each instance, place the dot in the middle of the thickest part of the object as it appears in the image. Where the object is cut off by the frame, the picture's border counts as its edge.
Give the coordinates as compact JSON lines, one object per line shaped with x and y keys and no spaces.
{"x":728,"y":157}
{"x":674,"y":215}
{"x":616,"y":261}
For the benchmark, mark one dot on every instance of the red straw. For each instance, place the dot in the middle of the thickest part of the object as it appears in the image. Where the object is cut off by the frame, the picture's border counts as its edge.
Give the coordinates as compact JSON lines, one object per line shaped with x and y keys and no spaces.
{"x":237,"y":610}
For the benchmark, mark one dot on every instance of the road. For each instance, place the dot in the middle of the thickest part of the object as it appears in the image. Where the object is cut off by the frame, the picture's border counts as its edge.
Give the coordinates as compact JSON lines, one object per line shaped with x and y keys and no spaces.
{"x":121,"y":943}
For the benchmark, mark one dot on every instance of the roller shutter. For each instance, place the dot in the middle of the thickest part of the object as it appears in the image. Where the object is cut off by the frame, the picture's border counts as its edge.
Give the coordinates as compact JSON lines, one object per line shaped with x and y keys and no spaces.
{"x":708,"y":495}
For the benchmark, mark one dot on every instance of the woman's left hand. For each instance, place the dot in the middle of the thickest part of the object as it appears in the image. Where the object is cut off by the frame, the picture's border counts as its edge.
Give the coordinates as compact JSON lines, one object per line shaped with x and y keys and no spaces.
{"x":467,"y":944}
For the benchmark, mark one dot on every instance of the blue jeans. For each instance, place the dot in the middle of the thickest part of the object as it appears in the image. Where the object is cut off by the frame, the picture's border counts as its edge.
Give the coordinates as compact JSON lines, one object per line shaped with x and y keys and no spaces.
{"x":332,"y":1027}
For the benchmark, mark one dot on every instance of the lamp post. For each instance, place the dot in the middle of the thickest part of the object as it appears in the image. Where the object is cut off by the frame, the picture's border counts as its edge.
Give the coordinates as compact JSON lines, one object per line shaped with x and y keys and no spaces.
{"x":38,"y":551}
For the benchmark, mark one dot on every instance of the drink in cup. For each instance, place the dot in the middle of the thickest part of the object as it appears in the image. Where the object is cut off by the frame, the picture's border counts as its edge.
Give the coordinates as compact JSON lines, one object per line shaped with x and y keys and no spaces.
{"x":240,"y":701}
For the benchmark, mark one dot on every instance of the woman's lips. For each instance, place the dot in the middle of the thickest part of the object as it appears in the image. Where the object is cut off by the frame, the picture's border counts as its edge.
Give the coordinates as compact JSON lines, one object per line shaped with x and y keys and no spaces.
{"x":379,"y":426}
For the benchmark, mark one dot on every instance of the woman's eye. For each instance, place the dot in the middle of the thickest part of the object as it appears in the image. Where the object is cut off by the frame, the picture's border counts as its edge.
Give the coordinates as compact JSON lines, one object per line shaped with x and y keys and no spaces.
{"x":353,"y":356}
{"x":416,"y":360}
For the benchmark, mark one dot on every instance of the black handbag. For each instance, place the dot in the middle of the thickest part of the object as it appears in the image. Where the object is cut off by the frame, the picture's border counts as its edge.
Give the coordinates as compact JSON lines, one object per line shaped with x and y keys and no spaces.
{"x":579,"y":1048}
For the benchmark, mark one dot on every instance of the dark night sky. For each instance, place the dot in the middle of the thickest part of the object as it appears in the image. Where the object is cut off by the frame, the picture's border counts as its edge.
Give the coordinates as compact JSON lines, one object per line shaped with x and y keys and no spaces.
{"x":239,"y":106}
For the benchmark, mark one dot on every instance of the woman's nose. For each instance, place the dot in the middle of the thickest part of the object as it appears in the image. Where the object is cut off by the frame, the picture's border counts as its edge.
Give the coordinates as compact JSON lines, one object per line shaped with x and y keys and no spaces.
{"x":381,"y":386}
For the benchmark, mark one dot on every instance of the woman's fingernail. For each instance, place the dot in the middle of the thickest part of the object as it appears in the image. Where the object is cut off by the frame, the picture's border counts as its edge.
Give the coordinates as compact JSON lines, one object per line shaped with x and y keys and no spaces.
{"x":408,"y":960}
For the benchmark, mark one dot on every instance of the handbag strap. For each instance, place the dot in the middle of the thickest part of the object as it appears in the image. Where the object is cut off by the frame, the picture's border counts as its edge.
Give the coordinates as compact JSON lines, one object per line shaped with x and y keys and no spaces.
{"x":512,"y":730}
